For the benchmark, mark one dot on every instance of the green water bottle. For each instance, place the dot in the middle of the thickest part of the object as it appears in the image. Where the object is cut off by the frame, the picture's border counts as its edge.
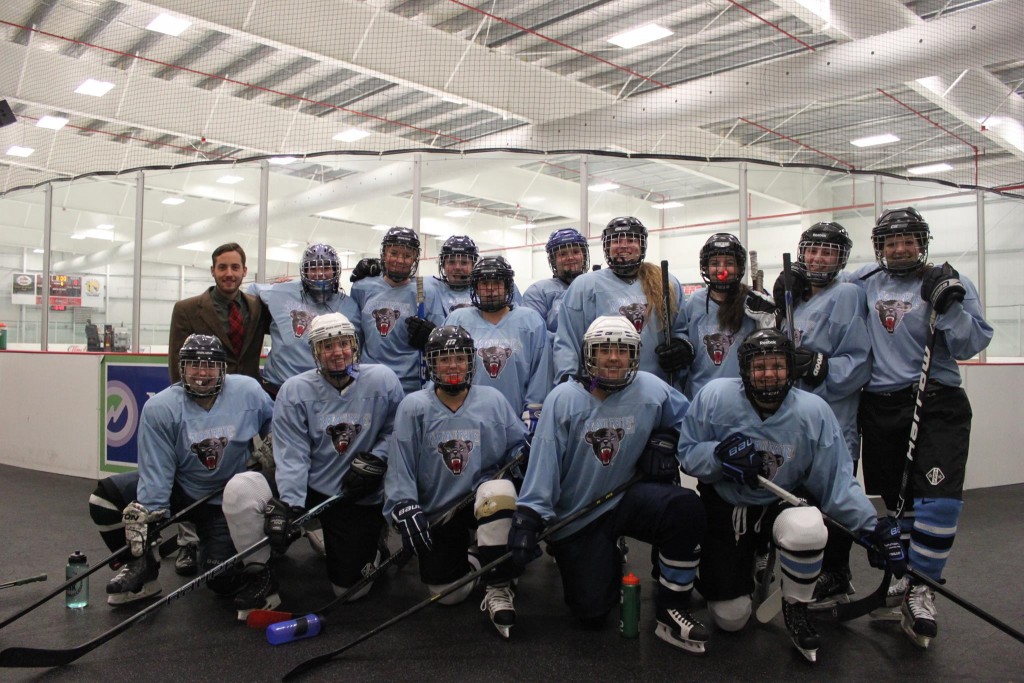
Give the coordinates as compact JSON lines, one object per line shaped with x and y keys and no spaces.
{"x":629,"y":606}
{"x":77,"y":594}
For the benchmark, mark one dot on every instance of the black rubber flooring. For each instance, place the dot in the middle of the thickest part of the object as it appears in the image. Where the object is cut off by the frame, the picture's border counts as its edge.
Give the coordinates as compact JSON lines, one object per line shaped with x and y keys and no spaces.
{"x":45,"y":518}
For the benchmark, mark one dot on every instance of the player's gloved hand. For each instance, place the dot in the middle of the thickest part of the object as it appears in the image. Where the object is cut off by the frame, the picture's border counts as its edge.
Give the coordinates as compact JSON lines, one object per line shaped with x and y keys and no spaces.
{"x":741,"y":461}
{"x":262,"y":459}
{"x":658,"y":461}
{"x":811,"y":366}
{"x":410,"y":520}
{"x":364,"y":476}
{"x":279,"y":524}
{"x":799,"y":285}
{"x":136,"y":520}
{"x":531,"y":416}
{"x":885,"y":547}
{"x":674,"y":356}
{"x":419,"y":331}
{"x":760,"y":308}
{"x":941,"y":286}
{"x":524,"y":536}
{"x":367,"y":267}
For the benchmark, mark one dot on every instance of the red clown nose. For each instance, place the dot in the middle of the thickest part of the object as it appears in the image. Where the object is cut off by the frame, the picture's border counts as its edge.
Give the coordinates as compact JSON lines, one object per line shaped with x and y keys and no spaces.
{"x":723,"y":275}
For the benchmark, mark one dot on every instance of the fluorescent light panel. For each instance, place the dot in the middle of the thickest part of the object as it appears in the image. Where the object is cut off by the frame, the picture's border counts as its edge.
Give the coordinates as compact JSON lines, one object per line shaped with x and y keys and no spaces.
{"x":170,"y":25}
{"x":930,"y":168}
{"x":230,"y":179}
{"x":289,"y":245}
{"x":380,"y":227}
{"x":459,"y":213}
{"x":351,"y":135}
{"x":94,"y":88}
{"x":193,"y":246}
{"x":104,"y":226}
{"x":603,"y":187}
{"x":282,"y":161}
{"x":639,"y":36}
{"x":872,"y":140}
{"x":38,"y":251}
{"x":52,"y":122}
{"x":19,"y":151}
{"x":173,"y":201}
{"x":667,"y":205}
{"x":524,"y":226}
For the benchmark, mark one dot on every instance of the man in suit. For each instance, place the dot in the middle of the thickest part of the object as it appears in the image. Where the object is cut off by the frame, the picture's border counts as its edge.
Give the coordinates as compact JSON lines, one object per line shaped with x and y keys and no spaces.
{"x":239,"y":321}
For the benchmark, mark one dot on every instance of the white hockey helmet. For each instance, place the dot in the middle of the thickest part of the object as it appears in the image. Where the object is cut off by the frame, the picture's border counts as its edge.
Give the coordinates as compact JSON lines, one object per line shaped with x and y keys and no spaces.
{"x":331,"y":326}
{"x":618,"y":332}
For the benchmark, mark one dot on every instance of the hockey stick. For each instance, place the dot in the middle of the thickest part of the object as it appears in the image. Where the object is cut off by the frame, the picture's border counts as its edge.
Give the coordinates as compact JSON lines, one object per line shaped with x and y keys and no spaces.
{"x":43,"y":657}
{"x":22,"y":582}
{"x":666,"y":312}
{"x":102,"y":563}
{"x":787,"y":281}
{"x":918,"y":576}
{"x":310,"y":664}
{"x":756,"y":274}
{"x":915,"y":426}
{"x":261,"y":618}
{"x":419,"y":312}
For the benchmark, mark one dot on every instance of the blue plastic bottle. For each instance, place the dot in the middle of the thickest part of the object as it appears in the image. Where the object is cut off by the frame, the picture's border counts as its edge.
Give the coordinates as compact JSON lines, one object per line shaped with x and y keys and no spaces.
{"x":296,"y":629}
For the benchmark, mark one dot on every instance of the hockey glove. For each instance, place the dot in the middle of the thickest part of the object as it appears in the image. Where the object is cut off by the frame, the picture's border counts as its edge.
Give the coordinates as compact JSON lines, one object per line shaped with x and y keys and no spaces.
{"x":531,"y":416}
{"x":760,"y":308}
{"x":364,"y":476}
{"x":657,"y":462}
{"x":799,"y":285}
{"x":811,"y":366}
{"x":674,"y":356}
{"x":419,"y":331}
{"x":941,"y":287}
{"x":524,"y":536}
{"x":741,"y":461}
{"x":278,"y":524}
{"x":367,"y":267}
{"x":410,"y":520}
{"x":136,"y":520}
{"x":886,"y":548}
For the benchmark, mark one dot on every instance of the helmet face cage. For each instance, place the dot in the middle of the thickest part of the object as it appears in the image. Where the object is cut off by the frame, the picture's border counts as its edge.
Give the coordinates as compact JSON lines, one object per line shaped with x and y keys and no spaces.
{"x":458,"y":246}
{"x":491,"y":269}
{"x":898,"y":223}
{"x":563,"y":240}
{"x":447,"y":345}
{"x":317,"y":260}
{"x":625,"y":227}
{"x":829,"y":239}
{"x":763,"y":343}
{"x":399,"y":237}
{"x":611,"y":333}
{"x":202,"y":352}
{"x":723,"y":244}
{"x":333,"y":326}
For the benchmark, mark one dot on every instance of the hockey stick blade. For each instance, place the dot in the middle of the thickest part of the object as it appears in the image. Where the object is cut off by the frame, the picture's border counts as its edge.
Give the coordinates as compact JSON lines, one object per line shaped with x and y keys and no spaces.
{"x":22,"y":582}
{"x":846,"y":611}
{"x":30,"y":657}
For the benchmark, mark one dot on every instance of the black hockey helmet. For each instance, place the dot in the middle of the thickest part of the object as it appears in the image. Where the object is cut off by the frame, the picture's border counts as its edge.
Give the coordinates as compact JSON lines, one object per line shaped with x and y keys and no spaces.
{"x":831,"y":236}
{"x":399,"y":237}
{"x":456,"y":246}
{"x":723,"y":244}
{"x":898,"y":222}
{"x":202,"y":352}
{"x":491,"y":268}
{"x":445,"y":342}
{"x":626,"y":227}
{"x":764,"y":343}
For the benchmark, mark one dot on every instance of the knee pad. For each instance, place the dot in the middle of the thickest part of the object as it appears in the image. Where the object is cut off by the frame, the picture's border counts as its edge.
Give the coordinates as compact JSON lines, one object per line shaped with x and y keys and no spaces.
{"x":246,"y":492}
{"x":800,"y":529}
{"x":495,"y":504}
{"x":456,"y":596}
{"x":104,"y":512}
{"x":730,"y":615}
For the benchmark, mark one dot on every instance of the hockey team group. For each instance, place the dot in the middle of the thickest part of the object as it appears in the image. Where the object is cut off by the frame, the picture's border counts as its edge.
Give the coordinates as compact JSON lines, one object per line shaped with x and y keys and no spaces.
{"x":484,"y":426}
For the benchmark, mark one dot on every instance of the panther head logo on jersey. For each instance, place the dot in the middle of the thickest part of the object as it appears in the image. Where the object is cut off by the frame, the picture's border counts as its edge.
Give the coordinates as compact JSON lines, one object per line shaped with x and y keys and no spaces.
{"x":385,"y":319}
{"x":343,"y":434}
{"x":455,"y":454}
{"x":637,"y":314}
{"x":494,"y":358}
{"x":718,"y":345}
{"x":891,"y":312}
{"x":770,"y":464}
{"x":210,"y":451}
{"x":300,"y":321}
{"x":605,"y":442}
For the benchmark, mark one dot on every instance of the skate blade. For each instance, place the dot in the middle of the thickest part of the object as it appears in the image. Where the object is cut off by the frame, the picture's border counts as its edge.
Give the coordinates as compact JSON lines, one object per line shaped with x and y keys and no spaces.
{"x":886,"y":614}
{"x":809,"y":655}
{"x":505,"y":631}
{"x":917,"y":639}
{"x":148,"y":591}
{"x":692,"y":646}
{"x":828,"y":603}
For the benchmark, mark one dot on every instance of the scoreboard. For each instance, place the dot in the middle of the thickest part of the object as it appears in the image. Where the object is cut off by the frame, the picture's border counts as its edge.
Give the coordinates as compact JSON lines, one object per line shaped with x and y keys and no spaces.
{"x":65,"y":290}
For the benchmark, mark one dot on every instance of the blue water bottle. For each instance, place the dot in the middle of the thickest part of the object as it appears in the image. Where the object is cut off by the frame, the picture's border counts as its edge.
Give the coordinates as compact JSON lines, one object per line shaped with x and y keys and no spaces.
{"x":296,"y":629}
{"x":77,"y":594}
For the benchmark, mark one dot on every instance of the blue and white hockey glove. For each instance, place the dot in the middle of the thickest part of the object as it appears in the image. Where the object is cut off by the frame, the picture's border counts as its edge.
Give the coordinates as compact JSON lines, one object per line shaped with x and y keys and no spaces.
{"x":741,"y":461}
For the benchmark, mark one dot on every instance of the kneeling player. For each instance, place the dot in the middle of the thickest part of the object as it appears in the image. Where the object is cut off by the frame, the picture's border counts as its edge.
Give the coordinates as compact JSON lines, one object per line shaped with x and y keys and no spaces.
{"x":737,"y":429}
{"x":193,"y":437}
{"x":450,"y":438}
{"x":593,"y":435}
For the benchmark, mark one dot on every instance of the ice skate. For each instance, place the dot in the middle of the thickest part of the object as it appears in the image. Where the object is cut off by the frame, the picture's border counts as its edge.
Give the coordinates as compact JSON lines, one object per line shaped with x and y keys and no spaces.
{"x":137,"y":580}
{"x":260,"y":591}
{"x":918,"y":615}
{"x":679,"y":628}
{"x":831,"y":588}
{"x":801,"y":632}
{"x":497,"y":603}
{"x":890,"y":611}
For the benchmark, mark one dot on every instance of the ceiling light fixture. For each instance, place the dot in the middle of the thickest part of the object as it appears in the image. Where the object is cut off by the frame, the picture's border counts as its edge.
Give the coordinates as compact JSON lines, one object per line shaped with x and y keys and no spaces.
{"x":639,"y":36}
{"x":94,"y":88}
{"x":459,"y":213}
{"x":18,"y":151}
{"x":52,"y":122}
{"x":173,"y":201}
{"x":872,"y":140}
{"x":603,"y":187}
{"x":351,"y":135}
{"x":666,"y":205}
{"x":230,"y":179}
{"x":170,"y":25}
{"x":930,"y":168}
{"x":104,"y":226}
{"x":283,"y":161}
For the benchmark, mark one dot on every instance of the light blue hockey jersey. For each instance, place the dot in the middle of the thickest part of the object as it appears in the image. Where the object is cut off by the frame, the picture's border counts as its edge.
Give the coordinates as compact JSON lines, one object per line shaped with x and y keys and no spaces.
{"x":714,"y":349}
{"x":544,"y":296}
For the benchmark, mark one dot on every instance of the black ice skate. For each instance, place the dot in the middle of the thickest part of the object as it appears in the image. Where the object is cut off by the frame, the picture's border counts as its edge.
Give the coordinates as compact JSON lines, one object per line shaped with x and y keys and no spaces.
{"x":831,"y":588}
{"x":259,"y":591}
{"x":801,"y":632}
{"x":918,"y":612}
{"x":497,"y":603}
{"x":137,"y":580}
{"x":679,"y":628}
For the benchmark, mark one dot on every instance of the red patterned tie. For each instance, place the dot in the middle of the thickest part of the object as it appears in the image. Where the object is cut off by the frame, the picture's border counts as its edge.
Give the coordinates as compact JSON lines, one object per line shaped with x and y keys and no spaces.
{"x":236,"y":330}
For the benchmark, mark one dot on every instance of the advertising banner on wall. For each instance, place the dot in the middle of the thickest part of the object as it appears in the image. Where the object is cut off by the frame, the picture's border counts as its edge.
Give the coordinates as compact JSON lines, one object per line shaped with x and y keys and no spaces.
{"x":65,"y":290}
{"x":127,"y":382}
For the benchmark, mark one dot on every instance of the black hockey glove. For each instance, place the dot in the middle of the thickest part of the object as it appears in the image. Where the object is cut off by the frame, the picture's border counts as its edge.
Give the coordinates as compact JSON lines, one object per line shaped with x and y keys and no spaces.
{"x":676,"y":355}
{"x":657,"y":462}
{"x":885,"y":546}
{"x":760,"y":308}
{"x":367,"y":267}
{"x":524,"y":536}
{"x":741,"y":461}
{"x":941,"y":287}
{"x":799,"y":284}
{"x":410,"y":520}
{"x":278,"y":524}
{"x":811,"y":366}
{"x":364,"y":476}
{"x":419,"y":331}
